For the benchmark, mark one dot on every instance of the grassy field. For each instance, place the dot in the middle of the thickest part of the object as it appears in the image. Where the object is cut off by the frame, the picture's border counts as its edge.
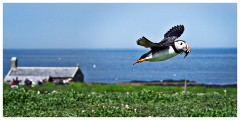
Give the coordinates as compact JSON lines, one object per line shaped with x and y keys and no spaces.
{"x":99,"y":100}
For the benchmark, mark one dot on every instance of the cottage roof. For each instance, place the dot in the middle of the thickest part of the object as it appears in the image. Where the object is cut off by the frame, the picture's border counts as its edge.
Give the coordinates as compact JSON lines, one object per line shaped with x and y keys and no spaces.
{"x":40,"y":73}
{"x":44,"y":71}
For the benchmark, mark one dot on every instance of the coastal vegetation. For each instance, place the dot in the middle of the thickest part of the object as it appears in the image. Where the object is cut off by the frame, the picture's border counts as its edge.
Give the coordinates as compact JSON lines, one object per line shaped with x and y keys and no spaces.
{"x":115,"y":100}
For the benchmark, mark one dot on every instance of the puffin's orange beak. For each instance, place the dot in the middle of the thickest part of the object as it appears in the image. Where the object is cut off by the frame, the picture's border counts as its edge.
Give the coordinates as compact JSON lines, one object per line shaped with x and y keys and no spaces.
{"x":139,"y":61}
{"x":188,"y":48}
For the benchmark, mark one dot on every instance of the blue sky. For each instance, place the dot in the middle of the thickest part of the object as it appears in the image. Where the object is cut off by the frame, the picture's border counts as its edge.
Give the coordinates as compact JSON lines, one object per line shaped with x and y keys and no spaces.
{"x":116,"y":25}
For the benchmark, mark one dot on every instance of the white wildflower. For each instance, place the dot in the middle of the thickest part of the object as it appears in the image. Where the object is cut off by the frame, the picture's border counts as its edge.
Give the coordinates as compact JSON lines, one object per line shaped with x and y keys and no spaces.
{"x":126,"y":106}
{"x":54,"y":91}
{"x":135,"y":110}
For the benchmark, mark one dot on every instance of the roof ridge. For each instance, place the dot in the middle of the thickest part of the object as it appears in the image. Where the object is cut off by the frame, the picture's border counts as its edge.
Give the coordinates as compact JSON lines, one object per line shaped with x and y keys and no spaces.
{"x":46,"y":67}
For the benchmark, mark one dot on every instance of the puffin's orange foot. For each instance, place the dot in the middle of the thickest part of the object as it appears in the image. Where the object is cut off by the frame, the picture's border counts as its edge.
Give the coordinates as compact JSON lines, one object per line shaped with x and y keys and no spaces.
{"x":139,"y":61}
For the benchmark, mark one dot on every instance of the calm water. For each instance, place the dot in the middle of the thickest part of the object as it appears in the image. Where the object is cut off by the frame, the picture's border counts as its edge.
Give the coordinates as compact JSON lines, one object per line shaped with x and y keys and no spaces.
{"x":209,"y":66}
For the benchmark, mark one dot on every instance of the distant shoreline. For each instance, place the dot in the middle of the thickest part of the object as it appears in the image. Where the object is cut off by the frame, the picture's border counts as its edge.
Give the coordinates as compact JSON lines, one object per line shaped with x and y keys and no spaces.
{"x":172,"y":83}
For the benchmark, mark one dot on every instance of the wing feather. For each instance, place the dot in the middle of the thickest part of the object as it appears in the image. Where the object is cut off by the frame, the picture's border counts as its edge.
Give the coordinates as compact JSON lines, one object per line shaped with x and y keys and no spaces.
{"x":175,"y":31}
{"x":147,"y":43}
{"x":168,"y":40}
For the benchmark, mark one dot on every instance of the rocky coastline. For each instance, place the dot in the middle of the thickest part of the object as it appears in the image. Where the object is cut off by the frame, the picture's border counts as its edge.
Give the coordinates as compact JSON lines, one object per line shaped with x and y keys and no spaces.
{"x":173,"y":83}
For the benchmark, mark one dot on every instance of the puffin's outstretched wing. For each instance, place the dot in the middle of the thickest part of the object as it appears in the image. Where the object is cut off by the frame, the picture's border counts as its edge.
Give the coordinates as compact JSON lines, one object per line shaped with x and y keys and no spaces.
{"x":175,"y":31}
{"x":172,"y":35}
{"x":168,"y":40}
{"x":147,"y":43}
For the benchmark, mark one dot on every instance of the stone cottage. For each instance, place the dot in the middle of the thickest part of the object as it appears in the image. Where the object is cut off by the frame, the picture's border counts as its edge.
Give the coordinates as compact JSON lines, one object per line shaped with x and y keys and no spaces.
{"x":43,"y":73}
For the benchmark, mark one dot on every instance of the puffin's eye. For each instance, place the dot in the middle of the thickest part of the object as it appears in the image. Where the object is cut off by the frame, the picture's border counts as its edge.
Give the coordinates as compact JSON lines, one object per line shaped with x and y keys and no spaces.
{"x":181,"y":43}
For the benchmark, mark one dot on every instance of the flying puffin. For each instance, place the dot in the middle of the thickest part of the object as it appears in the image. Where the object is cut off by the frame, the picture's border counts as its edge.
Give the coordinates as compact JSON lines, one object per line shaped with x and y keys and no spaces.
{"x":165,"y":49}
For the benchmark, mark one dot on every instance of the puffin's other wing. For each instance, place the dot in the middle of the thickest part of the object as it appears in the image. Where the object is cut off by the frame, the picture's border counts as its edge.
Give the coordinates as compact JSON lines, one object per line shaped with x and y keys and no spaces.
{"x":174,"y":33}
{"x":147,"y":43}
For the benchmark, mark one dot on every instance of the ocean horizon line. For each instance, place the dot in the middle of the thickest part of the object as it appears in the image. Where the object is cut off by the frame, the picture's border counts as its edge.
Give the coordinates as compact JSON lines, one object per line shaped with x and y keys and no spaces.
{"x":107,"y":48}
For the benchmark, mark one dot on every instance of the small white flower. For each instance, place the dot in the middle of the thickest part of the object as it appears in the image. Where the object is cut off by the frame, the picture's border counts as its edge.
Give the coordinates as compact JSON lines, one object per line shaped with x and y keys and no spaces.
{"x":83,"y":111}
{"x":54,"y":91}
{"x":126,"y":106}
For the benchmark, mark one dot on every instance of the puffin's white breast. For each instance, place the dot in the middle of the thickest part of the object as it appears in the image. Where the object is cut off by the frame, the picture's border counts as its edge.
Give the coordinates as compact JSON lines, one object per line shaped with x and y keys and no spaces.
{"x":162,"y":55}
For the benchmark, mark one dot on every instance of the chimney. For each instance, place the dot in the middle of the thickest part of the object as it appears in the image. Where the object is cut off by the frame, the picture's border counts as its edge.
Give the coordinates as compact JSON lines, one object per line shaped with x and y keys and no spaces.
{"x":14,"y":62}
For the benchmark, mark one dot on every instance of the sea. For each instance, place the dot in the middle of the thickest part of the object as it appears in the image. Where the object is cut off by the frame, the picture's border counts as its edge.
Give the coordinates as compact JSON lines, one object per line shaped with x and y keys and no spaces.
{"x":208,"y":66}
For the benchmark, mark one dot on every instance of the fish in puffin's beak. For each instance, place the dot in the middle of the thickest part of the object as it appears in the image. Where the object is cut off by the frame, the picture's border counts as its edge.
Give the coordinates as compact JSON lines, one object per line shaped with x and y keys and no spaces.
{"x":187,"y":50}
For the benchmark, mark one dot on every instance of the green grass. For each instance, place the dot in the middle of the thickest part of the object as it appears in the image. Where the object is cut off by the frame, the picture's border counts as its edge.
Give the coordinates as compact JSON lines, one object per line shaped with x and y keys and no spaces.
{"x":94,"y":100}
